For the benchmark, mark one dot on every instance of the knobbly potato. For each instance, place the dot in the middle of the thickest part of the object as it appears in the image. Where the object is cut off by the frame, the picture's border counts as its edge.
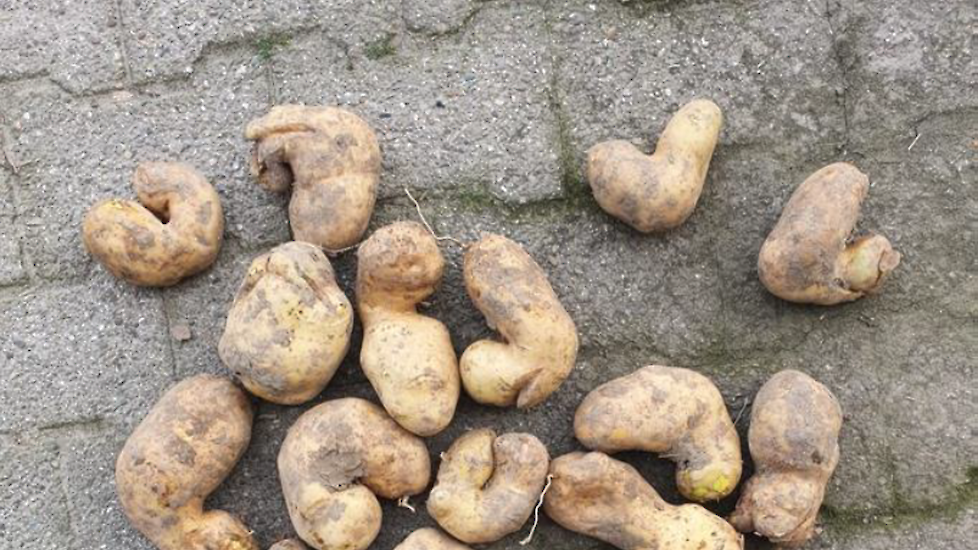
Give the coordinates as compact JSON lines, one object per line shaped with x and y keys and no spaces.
{"x":659,"y":191}
{"x":289,"y":326}
{"x":184,"y":448}
{"x":676,"y":412}
{"x":539,"y":344}
{"x":430,"y":539}
{"x":408,"y":357}
{"x":330,"y":158}
{"x":336,"y":460}
{"x":793,"y":438}
{"x":488,"y":486}
{"x":173,"y":232}
{"x":609,"y":500}
{"x":808,"y":257}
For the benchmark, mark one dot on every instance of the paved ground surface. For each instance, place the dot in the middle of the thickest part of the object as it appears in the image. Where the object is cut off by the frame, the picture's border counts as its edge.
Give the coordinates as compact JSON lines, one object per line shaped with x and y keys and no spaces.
{"x":485,"y":109}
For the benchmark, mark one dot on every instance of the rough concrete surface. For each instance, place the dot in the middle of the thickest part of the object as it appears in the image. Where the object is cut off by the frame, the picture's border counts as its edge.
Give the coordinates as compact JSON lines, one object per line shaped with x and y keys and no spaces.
{"x":485,"y":110}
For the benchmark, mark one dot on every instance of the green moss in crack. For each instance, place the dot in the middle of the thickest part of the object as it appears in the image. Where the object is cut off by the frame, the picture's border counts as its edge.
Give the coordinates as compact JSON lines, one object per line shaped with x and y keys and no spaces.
{"x":381,"y":48}
{"x":267,"y":45}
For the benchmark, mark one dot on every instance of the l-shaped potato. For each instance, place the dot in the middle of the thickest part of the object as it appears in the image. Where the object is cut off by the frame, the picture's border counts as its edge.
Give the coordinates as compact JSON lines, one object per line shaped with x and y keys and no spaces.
{"x":539,"y":344}
{"x":172,"y":232}
{"x":809,"y":258}
{"x":330,"y":158}
{"x":673,"y":411}
{"x":657,"y":192}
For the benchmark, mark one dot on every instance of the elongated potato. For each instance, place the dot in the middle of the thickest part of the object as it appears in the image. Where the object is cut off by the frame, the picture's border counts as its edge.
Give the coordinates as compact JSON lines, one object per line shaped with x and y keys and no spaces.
{"x":336,"y":460}
{"x":173,"y":232}
{"x":289,"y":327}
{"x":330,"y":158}
{"x":430,"y":539}
{"x":408,"y":357}
{"x":539,"y":338}
{"x":609,"y":500}
{"x":184,"y":448}
{"x":808,"y":257}
{"x":487,"y":485}
{"x":793,"y":437}
{"x":659,"y":191}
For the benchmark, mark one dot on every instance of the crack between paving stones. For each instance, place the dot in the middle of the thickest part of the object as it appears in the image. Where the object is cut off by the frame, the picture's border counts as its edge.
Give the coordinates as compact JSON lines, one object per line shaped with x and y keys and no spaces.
{"x":844,"y":75}
{"x":26,"y":258}
{"x":62,"y":483}
{"x":171,"y":351}
{"x":123,"y":43}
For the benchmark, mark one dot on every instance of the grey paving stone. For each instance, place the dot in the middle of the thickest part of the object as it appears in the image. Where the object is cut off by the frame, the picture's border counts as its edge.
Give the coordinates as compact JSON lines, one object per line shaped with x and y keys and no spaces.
{"x":33,"y":511}
{"x":437,"y":17}
{"x":954,"y":533}
{"x":350,"y":23}
{"x":76,"y":44}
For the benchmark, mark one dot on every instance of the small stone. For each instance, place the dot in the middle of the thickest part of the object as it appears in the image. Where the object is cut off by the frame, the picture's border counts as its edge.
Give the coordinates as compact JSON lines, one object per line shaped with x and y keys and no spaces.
{"x":181,"y":332}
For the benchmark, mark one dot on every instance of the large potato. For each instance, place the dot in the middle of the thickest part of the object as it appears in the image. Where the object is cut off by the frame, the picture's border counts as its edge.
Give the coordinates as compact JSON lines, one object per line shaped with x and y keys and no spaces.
{"x":430,"y":539}
{"x":408,"y":357}
{"x":793,"y":437}
{"x":609,"y":500}
{"x":180,"y":453}
{"x":289,"y":327}
{"x":173,"y":232}
{"x":539,"y":344}
{"x":809,"y":257}
{"x":676,"y":412}
{"x":330,"y":158}
{"x":659,"y":191}
{"x":336,"y":460}
{"x":488,"y":486}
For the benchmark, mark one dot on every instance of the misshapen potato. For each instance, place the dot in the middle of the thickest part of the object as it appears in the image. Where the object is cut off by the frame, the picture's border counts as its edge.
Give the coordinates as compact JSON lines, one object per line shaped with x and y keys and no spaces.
{"x":408,"y":357}
{"x":659,"y":191}
{"x":609,"y":500}
{"x":488,"y":486}
{"x":289,"y":327}
{"x":184,"y":448}
{"x":540,"y":339}
{"x":673,"y":411}
{"x":173,"y":232}
{"x":793,"y":438}
{"x":330,"y":158}
{"x":808,"y":258}
{"x":336,"y":460}
{"x":430,"y":539}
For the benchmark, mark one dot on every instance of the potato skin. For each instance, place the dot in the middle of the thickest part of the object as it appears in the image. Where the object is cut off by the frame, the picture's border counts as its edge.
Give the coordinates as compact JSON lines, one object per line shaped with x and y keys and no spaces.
{"x":793,"y":437}
{"x":184,"y":448}
{"x":408,"y":357}
{"x":133,"y":244}
{"x":289,"y":544}
{"x":609,"y":500}
{"x":430,"y":539}
{"x":335,"y":459}
{"x":540,"y":339}
{"x":807,"y":257}
{"x":488,"y":486}
{"x":673,"y":411}
{"x":657,"y":192}
{"x":289,"y":326}
{"x":330,"y":158}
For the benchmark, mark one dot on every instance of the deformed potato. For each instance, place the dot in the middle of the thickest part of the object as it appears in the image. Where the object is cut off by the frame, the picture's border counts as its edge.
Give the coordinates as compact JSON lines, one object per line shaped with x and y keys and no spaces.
{"x":488,"y":486}
{"x":539,"y":338}
{"x":609,"y":500}
{"x":659,"y":191}
{"x":336,"y":460}
{"x":809,"y":258}
{"x":289,"y":327}
{"x":793,"y":438}
{"x":677,"y":412}
{"x":184,"y":448}
{"x":430,"y":539}
{"x":408,"y":357}
{"x":330,"y":158}
{"x":173,"y":232}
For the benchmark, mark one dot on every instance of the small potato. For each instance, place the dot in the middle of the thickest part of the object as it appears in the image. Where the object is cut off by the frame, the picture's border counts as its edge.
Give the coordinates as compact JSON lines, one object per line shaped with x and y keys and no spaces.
{"x":808,"y":257}
{"x":184,"y":448}
{"x":173,"y":232}
{"x":659,"y":191}
{"x":331,"y":159}
{"x":793,"y":437}
{"x":408,"y":357}
{"x":289,"y":327}
{"x":488,"y":486}
{"x":676,"y":412}
{"x":539,"y":338}
{"x":430,"y":539}
{"x":609,"y":500}
{"x":336,"y":460}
